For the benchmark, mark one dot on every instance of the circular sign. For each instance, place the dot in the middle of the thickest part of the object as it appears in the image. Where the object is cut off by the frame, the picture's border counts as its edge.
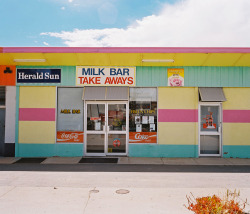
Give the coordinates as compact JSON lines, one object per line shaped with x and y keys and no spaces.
{"x":116,"y":142}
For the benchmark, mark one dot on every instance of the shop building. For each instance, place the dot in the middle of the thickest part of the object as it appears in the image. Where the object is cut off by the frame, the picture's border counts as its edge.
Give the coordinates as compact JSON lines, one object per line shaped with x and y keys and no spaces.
{"x":136,"y":102}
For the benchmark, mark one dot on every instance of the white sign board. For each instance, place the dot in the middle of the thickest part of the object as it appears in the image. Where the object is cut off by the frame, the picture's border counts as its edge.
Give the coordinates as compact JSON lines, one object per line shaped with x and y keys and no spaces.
{"x":105,"y":76}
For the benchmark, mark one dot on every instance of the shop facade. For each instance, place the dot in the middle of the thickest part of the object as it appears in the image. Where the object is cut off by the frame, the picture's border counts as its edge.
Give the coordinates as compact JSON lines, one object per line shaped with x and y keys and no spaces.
{"x":132,"y":102}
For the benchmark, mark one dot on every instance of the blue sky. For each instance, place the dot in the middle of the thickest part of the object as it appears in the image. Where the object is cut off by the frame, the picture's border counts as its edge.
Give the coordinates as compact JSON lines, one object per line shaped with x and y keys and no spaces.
{"x":22,"y":21}
{"x":130,"y":23}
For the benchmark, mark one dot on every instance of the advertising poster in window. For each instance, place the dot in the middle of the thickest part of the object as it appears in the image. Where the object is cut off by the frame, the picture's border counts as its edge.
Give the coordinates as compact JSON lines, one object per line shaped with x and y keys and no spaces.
{"x":175,"y":77}
{"x":142,"y":137}
{"x":69,"y":137}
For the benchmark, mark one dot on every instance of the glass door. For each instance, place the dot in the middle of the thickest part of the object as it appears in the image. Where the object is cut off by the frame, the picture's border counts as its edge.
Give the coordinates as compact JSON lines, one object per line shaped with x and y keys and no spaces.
{"x":95,"y":128}
{"x":117,"y":128}
{"x":106,"y":128}
{"x":210,"y":129}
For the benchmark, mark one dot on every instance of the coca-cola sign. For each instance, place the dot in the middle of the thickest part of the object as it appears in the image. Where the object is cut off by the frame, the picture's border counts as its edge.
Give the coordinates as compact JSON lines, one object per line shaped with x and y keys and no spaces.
{"x":142,"y":137}
{"x":69,"y":137}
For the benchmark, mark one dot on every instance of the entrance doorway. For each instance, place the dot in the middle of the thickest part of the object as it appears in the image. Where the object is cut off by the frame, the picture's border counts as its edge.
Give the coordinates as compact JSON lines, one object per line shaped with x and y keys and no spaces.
{"x":106,"y":128}
{"x":210,"y":128}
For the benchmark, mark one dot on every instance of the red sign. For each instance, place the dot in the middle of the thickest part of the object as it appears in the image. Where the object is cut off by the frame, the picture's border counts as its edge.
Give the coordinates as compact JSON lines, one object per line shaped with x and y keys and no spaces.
{"x":142,"y":137}
{"x":7,"y":75}
{"x":116,"y":142}
{"x":69,"y":137}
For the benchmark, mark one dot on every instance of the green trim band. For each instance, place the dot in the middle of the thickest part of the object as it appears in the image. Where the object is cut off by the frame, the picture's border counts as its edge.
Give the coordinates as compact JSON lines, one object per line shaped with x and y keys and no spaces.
{"x":236,"y":151}
{"x":49,"y":150}
{"x":171,"y":151}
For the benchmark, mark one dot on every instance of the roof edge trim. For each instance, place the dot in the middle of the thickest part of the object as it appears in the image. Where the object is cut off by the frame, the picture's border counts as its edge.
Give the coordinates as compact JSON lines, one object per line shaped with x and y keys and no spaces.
{"x":124,"y":50}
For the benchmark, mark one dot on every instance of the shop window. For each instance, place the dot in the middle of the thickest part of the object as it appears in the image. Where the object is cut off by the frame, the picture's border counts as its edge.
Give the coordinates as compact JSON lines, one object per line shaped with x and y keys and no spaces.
{"x":70,"y":115}
{"x":143,"y":115}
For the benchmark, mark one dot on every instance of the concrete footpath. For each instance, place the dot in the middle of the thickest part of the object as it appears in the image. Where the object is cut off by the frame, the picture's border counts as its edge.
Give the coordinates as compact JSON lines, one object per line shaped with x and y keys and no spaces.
{"x":23,"y":192}
{"x":138,"y":160}
{"x":112,"y":192}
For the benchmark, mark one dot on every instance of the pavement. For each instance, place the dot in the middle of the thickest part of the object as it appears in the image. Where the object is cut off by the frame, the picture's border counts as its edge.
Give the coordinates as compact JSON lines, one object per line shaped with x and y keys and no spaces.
{"x":102,"y":188}
{"x":206,"y":161}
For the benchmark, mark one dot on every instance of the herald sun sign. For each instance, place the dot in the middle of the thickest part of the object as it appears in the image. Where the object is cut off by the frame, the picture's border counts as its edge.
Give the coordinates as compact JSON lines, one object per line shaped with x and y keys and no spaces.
{"x":105,"y":76}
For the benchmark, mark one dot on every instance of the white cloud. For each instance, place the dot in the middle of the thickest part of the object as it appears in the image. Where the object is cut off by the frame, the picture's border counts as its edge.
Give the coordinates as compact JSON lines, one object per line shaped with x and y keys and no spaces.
{"x":193,"y":23}
{"x":62,"y":8}
{"x":45,"y":43}
{"x":70,"y":1}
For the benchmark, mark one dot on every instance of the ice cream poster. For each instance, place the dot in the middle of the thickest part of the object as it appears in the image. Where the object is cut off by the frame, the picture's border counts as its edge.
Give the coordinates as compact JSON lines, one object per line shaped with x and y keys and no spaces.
{"x":175,"y":77}
{"x":209,"y":122}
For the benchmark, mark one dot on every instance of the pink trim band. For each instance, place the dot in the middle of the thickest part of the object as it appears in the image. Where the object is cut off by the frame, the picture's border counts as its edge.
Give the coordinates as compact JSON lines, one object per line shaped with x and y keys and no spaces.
{"x":236,"y":116}
{"x":178,"y":115}
{"x":37,"y":114}
{"x":122,"y":50}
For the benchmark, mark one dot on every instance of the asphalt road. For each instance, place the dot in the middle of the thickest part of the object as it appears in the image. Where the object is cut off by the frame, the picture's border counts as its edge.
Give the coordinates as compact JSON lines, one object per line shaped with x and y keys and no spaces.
{"x":123,"y":168}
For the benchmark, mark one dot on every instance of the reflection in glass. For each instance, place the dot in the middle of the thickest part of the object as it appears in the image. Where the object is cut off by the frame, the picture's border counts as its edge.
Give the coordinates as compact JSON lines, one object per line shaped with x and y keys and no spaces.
{"x":117,"y":117}
{"x":209,"y":144}
{"x":95,"y":117}
{"x":117,"y":143}
{"x":209,"y":118}
{"x":95,"y":143}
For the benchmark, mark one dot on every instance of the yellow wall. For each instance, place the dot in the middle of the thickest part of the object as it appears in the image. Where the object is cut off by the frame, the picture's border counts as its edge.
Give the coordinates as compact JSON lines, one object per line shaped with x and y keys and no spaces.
{"x":37,"y":132}
{"x":177,"y":98}
{"x":37,"y":97}
{"x":178,"y":133}
{"x":237,"y":98}
{"x":236,"y":134}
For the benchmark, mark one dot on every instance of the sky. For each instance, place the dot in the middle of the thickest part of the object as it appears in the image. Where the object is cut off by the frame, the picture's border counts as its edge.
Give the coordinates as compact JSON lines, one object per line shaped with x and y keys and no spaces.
{"x":125,"y":23}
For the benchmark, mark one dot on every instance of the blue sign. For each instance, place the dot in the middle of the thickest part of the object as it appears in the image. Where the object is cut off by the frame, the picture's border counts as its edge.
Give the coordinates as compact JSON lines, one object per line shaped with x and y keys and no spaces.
{"x":39,"y":75}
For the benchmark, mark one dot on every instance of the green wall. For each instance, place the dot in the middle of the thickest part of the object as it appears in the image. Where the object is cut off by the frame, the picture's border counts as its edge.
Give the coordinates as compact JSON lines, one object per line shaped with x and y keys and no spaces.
{"x":196,"y":76}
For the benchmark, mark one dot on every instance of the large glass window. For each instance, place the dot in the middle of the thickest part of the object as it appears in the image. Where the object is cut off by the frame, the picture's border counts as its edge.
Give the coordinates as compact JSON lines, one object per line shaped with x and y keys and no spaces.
{"x":143,"y":115}
{"x":70,"y":115}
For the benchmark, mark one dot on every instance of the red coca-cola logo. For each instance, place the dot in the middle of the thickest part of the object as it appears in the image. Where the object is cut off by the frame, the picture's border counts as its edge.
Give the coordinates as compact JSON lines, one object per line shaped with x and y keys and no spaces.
{"x":70,"y":136}
{"x":138,"y":136}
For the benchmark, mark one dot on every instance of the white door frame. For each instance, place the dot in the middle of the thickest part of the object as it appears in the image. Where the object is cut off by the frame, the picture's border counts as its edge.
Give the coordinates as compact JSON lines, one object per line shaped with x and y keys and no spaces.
{"x":218,"y":133}
{"x":106,"y":131}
